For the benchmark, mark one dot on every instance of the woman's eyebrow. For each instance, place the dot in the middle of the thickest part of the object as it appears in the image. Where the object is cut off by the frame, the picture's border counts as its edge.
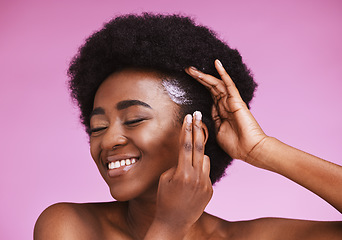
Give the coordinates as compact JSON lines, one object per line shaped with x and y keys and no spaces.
{"x":128,"y":103}
{"x":120,"y":106}
{"x":97,"y":111}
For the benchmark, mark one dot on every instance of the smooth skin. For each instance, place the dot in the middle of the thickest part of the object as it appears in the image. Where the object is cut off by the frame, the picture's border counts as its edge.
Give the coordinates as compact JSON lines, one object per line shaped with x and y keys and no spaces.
{"x":172,"y":207}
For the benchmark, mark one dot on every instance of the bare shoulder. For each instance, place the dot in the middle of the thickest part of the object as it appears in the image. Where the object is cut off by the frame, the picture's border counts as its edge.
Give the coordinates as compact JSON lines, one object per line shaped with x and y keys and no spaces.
{"x":282,"y":228}
{"x":67,"y":221}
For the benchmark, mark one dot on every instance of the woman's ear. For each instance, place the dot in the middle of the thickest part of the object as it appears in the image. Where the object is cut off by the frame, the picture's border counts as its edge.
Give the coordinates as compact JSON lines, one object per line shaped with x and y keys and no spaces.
{"x":206,"y":132}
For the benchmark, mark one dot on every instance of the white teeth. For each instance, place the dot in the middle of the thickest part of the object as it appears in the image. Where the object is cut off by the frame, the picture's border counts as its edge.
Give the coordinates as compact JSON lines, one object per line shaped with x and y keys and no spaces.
{"x":111,"y":165}
{"x":128,"y":162}
{"x":119,"y":163}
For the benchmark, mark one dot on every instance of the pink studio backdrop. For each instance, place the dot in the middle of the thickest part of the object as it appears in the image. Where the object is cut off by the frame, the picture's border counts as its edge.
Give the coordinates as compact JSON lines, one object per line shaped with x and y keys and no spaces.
{"x":293,"y":48}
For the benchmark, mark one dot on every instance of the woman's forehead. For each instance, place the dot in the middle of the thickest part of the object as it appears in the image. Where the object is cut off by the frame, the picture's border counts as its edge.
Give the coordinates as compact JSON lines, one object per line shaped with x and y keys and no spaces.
{"x":143,"y":85}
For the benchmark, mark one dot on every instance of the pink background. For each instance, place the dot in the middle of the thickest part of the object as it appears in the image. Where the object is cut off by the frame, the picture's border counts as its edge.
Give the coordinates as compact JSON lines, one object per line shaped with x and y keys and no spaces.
{"x":293,"y":48}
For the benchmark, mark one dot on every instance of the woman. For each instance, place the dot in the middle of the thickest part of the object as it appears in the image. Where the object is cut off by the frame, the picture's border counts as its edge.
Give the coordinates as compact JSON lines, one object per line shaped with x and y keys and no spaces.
{"x":160,"y":139}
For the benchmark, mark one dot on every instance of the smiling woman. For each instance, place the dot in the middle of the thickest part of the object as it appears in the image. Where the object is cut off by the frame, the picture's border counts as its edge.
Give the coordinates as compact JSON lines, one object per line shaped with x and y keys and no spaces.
{"x":137,"y":125}
{"x":164,"y":120}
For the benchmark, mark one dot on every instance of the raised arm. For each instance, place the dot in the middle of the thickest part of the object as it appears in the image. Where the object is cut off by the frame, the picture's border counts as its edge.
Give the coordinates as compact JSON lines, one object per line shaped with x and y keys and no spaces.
{"x":241,"y":137}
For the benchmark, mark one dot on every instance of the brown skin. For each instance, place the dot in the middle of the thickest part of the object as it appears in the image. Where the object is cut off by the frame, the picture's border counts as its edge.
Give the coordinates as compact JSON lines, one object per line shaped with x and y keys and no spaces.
{"x":164,"y":194}
{"x":157,"y":152}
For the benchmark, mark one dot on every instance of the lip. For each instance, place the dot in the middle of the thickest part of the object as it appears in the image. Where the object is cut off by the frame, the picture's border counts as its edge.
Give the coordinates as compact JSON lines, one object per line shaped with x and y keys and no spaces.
{"x":116,"y":172}
{"x":119,"y":157}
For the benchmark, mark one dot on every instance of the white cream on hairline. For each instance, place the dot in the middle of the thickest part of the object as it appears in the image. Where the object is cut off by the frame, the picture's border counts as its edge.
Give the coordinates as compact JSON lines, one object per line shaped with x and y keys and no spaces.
{"x":175,"y":92}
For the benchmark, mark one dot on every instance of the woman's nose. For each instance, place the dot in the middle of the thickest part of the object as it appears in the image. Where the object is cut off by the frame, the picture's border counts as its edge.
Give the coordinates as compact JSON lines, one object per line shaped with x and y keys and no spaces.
{"x":113,"y":138}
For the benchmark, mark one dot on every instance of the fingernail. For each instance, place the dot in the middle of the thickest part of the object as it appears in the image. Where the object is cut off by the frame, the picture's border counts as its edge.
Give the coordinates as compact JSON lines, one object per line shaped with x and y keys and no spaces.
{"x":219,"y":62}
{"x":194,"y":71}
{"x":193,"y":68}
{"x":188,"y":119}
{"x":198,"y":115}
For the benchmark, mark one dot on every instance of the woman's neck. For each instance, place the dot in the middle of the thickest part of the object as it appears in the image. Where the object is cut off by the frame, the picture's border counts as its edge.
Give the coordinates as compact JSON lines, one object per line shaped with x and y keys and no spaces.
{"x":140,"y":215}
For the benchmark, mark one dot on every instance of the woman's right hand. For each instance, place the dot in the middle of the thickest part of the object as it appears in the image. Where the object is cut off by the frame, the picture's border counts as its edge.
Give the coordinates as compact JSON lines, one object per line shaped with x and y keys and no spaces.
{"x":185,"y":190}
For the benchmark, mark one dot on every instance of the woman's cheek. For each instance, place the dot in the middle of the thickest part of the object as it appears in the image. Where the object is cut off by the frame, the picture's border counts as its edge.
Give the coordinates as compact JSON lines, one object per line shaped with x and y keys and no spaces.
{"x":144,"y":138}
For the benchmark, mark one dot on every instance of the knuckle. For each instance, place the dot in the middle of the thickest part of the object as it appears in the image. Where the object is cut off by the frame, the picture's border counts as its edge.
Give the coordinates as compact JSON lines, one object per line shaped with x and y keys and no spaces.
{"x":217,"y":98}
{"x":220,"y":96}
{"x":199,"y":147}
{"x":188,"y":129}
{"x":163,"y":177}
{"x":194,"y":183}
{"x":215,"y":86}
{"x":197,"y":182}
{"x":187,"y":146}
{"x":187,"y":179}
{"x":211,"y":87}
{"x":197,"y":126}
{"x":208,"y":188}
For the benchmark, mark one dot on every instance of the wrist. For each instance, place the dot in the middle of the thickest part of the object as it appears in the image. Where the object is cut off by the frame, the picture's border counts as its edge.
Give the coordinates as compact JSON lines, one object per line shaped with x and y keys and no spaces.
{"x":260,"y":155}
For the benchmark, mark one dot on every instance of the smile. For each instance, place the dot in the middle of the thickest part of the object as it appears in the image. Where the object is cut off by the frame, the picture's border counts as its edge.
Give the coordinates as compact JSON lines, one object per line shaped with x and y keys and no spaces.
{"x":121,"y":163}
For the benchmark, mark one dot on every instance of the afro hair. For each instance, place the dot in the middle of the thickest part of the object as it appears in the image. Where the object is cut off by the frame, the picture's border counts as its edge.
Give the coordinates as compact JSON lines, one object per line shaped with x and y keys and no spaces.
{"x":167,"y":44}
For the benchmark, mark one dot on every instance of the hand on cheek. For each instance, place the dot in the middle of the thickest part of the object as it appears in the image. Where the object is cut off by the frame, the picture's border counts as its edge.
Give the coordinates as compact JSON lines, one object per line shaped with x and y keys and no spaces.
{"x":185,"y":190}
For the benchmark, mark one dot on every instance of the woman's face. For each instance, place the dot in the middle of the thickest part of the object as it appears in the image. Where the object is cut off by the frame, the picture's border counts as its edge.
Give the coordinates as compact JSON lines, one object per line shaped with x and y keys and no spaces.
{"x":135,"y":133}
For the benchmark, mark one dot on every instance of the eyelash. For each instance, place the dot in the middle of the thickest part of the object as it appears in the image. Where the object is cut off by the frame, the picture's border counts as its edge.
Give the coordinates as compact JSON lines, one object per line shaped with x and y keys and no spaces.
{"x":134,"y":121}
{"x":94,"y":130}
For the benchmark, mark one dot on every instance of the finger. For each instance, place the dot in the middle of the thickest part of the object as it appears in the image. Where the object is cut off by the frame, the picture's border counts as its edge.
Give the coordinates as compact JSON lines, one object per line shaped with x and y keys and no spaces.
{"x":185,"y":146}
{"x":230,"y":85}
{"x":216,"y":86}
{"x":198,"y":142}
{"x":206,"y":166}
{"x":216,"y":118}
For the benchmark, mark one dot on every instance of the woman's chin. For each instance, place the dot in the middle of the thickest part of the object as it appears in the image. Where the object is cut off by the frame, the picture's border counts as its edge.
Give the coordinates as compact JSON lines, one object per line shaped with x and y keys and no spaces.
{"x":122,"y":197}
{"x":123,"y":194}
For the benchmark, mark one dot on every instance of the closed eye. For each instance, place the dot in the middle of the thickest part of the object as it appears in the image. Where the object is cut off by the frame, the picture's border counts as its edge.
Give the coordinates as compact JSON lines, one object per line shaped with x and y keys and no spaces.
{"x":134,"y":121}
{"x":95,"y":130}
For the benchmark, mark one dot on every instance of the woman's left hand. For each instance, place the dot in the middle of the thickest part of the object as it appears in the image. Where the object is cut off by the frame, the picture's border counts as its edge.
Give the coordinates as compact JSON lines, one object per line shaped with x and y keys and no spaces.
{"x":241,"y":137}
{"x":238,"y":133}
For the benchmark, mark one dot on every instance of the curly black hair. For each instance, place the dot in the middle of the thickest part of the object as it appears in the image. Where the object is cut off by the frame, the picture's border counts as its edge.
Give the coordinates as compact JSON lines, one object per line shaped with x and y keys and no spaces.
{"x":167,"y":44}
